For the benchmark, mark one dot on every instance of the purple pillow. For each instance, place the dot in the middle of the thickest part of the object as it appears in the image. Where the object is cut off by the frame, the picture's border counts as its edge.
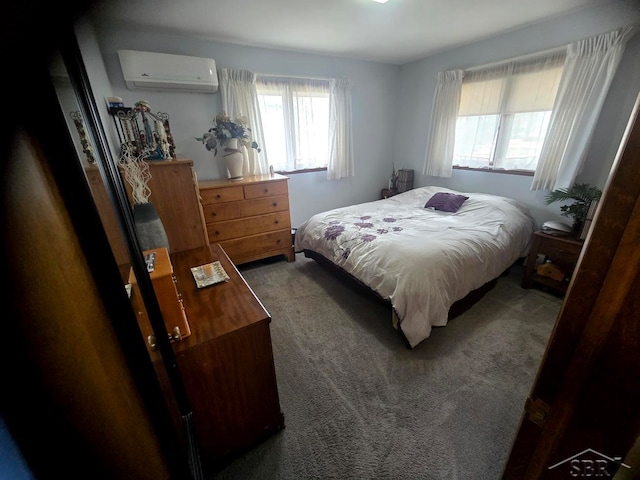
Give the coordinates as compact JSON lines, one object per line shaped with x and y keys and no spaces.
{"x":446,"y":202}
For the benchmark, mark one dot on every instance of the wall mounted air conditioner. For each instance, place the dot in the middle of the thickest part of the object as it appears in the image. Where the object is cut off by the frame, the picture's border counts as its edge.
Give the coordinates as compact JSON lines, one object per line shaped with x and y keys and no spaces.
{"x":163,"y":71}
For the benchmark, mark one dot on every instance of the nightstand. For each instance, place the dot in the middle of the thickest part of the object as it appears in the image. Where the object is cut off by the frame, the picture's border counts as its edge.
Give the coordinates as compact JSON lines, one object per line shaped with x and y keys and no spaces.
{"x":562,"y":252}
{"x":387,"y":192}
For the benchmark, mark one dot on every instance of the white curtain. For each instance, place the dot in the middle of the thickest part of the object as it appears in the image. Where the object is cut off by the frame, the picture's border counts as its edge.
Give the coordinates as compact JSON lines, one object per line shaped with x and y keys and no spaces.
{"x":240,"y":99}
{"x":341,"y":162}
{"x":438,"y":160}
{"x":588,"y":71}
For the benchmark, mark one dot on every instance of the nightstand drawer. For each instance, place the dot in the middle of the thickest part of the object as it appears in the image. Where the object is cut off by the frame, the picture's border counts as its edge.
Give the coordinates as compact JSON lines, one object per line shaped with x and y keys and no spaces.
{"x":560,"y":251}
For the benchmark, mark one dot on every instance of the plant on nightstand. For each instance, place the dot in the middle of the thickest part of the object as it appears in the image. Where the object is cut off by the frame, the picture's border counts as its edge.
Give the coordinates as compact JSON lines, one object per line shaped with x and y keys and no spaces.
{"x":582,"y":193}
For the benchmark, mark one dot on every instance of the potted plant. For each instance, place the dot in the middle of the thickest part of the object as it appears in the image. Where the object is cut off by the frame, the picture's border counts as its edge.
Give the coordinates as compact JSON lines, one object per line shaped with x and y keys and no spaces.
{"x":582,"y":194}
{"x":231,"y":135}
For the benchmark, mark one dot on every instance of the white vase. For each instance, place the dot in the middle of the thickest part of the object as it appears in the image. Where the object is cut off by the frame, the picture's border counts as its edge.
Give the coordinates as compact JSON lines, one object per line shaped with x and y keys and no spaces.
{"x":234,"y":161}
{"x":246,"y":160}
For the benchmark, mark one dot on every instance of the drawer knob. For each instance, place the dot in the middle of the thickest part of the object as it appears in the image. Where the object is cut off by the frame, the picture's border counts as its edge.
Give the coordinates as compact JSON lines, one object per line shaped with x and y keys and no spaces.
{"x":266,"y":190}
{"x":218,"y":196}
{"x":217,"y":232}
{"x":276,"y":222}
{"x":275,"y":204}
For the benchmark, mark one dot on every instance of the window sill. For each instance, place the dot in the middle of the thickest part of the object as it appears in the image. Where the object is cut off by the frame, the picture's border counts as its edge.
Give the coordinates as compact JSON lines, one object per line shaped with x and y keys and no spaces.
{"x":526,"y":173}
{"x":304,"y":170}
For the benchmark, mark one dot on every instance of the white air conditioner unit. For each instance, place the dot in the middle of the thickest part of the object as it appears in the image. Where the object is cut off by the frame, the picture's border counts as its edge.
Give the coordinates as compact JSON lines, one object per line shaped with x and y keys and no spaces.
{"x":163,"y":71}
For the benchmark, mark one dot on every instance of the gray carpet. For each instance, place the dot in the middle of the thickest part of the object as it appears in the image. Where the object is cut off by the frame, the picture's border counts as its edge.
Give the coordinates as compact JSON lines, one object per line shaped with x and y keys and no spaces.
{"x":359,"y":404}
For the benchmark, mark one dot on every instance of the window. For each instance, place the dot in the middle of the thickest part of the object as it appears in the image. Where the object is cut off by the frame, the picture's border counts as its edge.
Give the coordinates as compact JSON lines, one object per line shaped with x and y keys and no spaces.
{"x":295,"y":122}
{"x":504,"y":114}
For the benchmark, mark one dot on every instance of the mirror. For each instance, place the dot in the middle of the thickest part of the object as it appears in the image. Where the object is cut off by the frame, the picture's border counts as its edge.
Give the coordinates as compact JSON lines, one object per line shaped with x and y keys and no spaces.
{"x":114,"y":208}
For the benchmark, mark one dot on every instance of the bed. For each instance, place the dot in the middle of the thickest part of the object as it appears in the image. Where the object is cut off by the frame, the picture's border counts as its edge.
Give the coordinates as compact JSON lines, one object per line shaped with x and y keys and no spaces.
{"x":421,"y":260}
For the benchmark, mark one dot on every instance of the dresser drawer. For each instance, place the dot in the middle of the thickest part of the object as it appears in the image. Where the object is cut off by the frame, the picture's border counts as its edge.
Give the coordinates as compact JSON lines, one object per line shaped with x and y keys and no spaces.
{"x":247,"y":226}
{"x":258,"y":206}
{"x":222,"y":194}
{"x":257,"y":245}
{"x":267,"y":189}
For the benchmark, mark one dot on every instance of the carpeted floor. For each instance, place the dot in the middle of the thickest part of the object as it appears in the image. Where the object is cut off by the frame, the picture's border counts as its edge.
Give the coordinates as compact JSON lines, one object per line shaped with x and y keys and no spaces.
{"x":359,"y":404}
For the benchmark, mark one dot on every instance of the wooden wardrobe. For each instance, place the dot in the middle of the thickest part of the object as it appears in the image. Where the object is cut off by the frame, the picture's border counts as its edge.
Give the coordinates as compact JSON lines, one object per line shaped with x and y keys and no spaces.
{"x":79,"y":394}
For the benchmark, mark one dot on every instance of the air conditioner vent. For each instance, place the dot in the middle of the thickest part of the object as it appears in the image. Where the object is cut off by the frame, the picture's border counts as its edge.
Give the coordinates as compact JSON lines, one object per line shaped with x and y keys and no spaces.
{"x":163,"y":71}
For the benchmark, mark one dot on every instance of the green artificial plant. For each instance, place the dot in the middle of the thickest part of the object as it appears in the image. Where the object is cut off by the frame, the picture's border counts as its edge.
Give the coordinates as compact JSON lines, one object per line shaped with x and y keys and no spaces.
{"x":582,"y":193}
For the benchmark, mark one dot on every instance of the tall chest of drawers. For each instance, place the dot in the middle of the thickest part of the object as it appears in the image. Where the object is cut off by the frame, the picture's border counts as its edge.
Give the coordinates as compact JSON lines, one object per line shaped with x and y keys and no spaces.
{"x":249,"y":218}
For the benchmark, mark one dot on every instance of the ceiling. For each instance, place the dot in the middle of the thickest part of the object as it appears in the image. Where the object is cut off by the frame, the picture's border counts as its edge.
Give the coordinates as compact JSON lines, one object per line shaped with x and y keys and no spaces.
{"x":396,"y":32}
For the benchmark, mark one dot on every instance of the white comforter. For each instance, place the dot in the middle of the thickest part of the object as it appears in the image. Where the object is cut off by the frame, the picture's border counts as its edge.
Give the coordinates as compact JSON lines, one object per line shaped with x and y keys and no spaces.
{"x":420,"y":259}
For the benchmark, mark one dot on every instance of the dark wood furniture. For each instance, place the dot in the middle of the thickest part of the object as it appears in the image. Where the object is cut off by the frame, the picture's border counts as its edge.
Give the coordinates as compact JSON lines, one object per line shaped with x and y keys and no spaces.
{"x":250,"y":218}
{"x":388,"y":192}
{"x":226,"y":363}
{"x":563,"y":252}
{"x":78,"y":392}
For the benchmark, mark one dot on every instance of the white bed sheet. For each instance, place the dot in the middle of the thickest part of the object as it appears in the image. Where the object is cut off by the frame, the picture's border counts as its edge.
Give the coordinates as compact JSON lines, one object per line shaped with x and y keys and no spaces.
{"x":419,"y":259}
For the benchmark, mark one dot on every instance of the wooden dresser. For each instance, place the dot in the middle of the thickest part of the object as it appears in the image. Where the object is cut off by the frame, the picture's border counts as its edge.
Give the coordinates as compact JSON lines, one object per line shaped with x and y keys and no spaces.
{"x":226,"y":363}
{"x":249,"y":218}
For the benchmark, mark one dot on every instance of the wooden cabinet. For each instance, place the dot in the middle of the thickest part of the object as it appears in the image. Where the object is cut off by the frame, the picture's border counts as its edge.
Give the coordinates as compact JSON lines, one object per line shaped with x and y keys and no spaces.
{"x":174,"y":193}
{"x":250,"y":218}
{"x":226,"y":363}
{"x":387,"y":193}
{"x":175,"y":196}
{"x":562,"y":252}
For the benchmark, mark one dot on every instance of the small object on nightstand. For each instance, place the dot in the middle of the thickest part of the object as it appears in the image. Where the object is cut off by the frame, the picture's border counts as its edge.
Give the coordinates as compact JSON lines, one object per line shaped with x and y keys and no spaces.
{"x":548,"y":269}
{"x":557,"y":229}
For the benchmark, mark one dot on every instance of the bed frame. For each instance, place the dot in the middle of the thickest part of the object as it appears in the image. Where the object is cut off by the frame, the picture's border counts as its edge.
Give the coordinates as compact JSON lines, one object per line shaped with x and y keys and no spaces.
{"x":458,"y":307}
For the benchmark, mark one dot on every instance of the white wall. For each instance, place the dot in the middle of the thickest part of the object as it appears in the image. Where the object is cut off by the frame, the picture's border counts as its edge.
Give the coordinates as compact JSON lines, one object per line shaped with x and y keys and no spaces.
{"x":418,"y":82}
{"x":373,"y":103}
